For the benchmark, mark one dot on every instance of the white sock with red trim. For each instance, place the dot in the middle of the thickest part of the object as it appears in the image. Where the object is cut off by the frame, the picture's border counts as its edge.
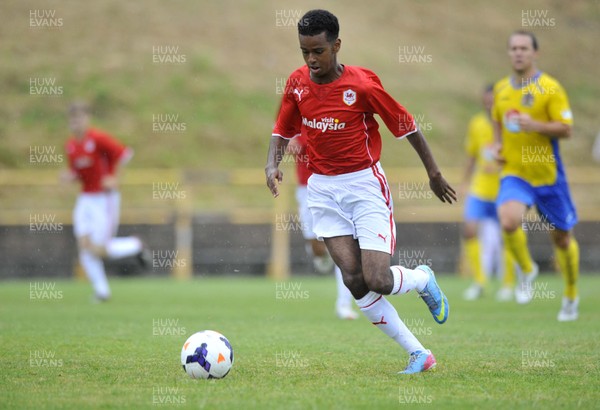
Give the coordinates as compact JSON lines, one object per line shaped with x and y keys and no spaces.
{"x":383,"y":315}
{"x":406,"y":279}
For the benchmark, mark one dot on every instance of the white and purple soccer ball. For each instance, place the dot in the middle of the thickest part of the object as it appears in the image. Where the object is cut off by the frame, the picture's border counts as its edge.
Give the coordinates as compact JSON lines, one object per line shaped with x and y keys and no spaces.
{"x":207,"y":355}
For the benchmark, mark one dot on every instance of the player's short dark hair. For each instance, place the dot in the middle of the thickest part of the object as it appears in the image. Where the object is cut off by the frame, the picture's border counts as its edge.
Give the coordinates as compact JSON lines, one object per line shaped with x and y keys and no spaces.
{"x":315,"y":22}
{"x":489,"y":87}
{"x":534,"y":41}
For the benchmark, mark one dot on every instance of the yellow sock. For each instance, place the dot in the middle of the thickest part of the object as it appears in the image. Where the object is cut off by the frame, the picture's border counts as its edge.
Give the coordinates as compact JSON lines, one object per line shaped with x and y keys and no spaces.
{"x":474,"y":260}
{"x":568,"y":261}
{"x":508,"y":280}
{"x":516,"y":243}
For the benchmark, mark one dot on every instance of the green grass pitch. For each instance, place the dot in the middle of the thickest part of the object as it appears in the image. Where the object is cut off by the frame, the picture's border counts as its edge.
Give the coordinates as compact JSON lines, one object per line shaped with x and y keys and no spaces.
{"x":58,"y":350}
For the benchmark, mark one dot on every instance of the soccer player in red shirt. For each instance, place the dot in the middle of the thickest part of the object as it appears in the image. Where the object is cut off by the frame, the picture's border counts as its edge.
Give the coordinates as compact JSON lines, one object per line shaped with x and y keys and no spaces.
{"x":94,"y":160}
{"x":348,"y":195}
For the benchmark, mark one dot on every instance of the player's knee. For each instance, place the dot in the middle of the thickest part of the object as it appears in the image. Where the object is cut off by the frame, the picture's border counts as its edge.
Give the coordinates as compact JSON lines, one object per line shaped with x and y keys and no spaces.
{"x":561,"y":239}
{"x":85,"y":244}
{"x":511,"y":215}
{"x":509,"y":223}
{"x":470,"y":230}
{"x":379,"y":282}
{"x":354,"y":283}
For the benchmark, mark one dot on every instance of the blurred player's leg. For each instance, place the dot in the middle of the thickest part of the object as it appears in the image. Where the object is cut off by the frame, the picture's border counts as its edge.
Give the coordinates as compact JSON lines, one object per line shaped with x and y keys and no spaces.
{"x":114,"y":210}
{"x":343,"y":304}
{"x":94,"y":269}
{"x":568,"y":261}
{"x":91,"y":227}
{"x":516,"y":243}
{"x":506,"y":291}
{"x":511,"y":215}
{"x":473,"y":257}
{"x":117,"y":248}
{"x":474,"y":215}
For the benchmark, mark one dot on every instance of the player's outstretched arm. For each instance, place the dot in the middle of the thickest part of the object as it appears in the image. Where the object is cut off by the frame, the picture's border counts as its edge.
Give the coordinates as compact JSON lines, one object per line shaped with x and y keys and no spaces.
{"x":276,"y":152}
{"x":437,"y":183}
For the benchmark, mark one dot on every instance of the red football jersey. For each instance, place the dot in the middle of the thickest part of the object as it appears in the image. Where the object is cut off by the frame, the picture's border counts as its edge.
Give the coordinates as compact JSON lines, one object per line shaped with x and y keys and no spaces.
{"x":93,"y":157}
{"x":338,"y":119}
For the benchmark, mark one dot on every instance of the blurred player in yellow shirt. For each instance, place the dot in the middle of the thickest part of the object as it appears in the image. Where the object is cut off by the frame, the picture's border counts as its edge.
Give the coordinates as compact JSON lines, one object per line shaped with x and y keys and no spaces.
{"x":531,"y":113}
{"x":483,"y":247}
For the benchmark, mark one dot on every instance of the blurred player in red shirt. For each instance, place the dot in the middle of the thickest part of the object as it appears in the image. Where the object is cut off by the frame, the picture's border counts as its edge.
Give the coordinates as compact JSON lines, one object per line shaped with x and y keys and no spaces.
{"x":322,"y":261}
{"x":334,"y":106}
{"x":94,"y":160}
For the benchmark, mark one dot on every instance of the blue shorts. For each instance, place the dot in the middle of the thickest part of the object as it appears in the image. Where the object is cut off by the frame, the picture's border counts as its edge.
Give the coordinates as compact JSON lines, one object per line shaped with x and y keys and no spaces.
{"x":477,"y":209}
{"x":553,"y":202}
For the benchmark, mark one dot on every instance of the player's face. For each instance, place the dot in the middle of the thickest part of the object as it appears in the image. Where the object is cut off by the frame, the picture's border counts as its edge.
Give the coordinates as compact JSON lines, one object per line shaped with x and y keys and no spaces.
{"x":320,"y":56}
{"x":521,"y":53}
{"x":78,"y":122}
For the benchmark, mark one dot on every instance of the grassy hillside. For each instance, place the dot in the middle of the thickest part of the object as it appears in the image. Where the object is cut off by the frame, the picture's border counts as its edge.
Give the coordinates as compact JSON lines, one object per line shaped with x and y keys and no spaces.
{"x":214,"y":68}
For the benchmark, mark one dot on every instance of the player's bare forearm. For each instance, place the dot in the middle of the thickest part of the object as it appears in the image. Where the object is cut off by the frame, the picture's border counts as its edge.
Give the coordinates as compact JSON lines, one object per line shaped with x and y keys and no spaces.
{"x":273,"y":174}
{"x":437,"y":183}
{"x":551,"y":129}
{"x":418,"y":142}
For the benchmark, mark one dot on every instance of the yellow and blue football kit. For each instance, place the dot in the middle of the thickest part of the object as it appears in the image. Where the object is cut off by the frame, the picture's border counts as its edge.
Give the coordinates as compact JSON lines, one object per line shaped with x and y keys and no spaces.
{"x":533,"y":173}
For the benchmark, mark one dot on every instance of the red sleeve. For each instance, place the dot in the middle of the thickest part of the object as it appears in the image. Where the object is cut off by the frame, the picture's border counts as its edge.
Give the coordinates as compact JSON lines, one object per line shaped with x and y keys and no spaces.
{"x":396,"y":118}
{"x":110,"y":149}
{"x":289,"y":120}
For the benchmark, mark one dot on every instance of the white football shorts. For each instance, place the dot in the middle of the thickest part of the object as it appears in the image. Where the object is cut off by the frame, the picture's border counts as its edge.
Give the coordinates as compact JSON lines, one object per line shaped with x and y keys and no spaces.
{"x":96,"y":215}
{"x":358,"y":204}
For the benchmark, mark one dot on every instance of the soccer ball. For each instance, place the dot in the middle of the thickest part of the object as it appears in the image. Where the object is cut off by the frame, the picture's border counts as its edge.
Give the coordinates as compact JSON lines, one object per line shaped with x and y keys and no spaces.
{"x":207,"y":355}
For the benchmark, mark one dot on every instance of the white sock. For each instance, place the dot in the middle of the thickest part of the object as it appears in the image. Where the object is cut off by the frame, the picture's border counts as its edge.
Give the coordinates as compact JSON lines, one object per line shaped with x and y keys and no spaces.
{"x":406,"y":279}
{"x":117,"y":248}
{"x":383,"y":315}
{"x":94,"y":269}
{"x":344,"y":297}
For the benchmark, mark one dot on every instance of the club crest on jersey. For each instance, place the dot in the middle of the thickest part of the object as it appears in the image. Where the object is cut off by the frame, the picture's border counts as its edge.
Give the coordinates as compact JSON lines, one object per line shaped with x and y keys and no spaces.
{"x":89,"y":146}
{"x":349,"y":97}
